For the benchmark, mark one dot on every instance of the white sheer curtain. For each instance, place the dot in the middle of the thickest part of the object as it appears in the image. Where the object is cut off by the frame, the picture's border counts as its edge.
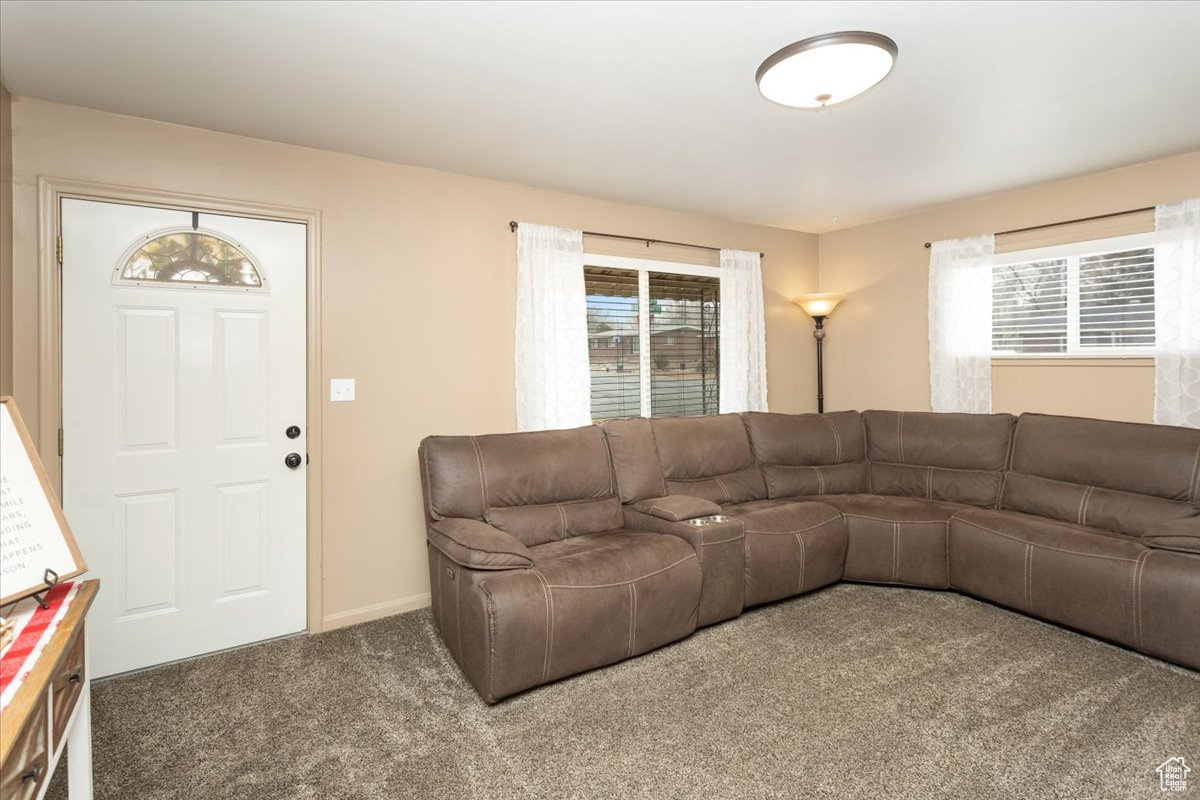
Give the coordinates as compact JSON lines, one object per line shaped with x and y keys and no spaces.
{"x":960,"y":324}
{"x":1177,"y":314}
{"x":553,"y":381}
{"x":743,"y":333}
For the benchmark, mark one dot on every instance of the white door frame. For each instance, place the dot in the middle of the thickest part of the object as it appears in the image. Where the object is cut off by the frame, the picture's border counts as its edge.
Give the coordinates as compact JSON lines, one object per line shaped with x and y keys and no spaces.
{"x":51,"y":191}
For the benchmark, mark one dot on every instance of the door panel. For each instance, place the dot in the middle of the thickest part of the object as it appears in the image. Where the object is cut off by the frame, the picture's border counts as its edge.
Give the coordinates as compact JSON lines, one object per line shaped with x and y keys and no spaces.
{"x":243,"y":524}
{"x":147,"y":367}
{"x":176,"y":397}
{"x":147,"y":549}
{"x":242,"y":375}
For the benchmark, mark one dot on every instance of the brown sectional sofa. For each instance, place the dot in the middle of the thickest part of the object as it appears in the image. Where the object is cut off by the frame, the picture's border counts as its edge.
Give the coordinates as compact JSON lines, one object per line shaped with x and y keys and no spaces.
{"x":555,"y":552}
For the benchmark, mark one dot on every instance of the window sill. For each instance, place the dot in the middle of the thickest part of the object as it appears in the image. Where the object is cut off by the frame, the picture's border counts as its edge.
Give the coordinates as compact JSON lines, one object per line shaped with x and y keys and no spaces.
{"x":1073,"y":361}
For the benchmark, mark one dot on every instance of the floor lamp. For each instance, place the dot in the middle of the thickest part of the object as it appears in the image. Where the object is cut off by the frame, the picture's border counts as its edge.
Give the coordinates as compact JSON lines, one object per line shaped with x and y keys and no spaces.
{"x":819,"y":307}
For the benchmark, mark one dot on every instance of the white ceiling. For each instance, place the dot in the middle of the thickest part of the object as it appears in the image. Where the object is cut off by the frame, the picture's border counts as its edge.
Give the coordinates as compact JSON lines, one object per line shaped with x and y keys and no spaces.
{"x":651,"y":103}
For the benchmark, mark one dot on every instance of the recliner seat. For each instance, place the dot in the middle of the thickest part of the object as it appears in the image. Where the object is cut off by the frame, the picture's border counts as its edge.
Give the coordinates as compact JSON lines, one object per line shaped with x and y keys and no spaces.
{"x":532,"y":575}
{"x":554,"y":552}
{"x":787,"y":547}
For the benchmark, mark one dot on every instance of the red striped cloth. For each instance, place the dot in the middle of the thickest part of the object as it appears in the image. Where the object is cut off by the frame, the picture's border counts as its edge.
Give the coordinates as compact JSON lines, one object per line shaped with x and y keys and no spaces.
{"x":33,"y":632}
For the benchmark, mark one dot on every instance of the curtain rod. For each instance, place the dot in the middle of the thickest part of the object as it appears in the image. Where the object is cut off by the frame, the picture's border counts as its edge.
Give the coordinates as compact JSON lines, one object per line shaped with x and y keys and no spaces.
{"x":512,"y":226}
{"x":1073,"y":221}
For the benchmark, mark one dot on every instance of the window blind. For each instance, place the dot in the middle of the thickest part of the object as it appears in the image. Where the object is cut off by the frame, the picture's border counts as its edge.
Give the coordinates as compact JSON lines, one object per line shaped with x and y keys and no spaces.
{"x":613,"y":344}
{"x":1029,"y":307}
{"x":684,"y":344}
{"x":1116,"y":299}
{"x":682,"y":362}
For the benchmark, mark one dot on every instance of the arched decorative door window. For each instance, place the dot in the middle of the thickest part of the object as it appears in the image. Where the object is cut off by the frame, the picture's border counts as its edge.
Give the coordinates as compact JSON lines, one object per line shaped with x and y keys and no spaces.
{"x":187,"y":258}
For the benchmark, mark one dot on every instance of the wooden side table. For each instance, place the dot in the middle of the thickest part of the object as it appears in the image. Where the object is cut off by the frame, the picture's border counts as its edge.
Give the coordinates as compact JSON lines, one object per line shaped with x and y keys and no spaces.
{"x":52,"y":707}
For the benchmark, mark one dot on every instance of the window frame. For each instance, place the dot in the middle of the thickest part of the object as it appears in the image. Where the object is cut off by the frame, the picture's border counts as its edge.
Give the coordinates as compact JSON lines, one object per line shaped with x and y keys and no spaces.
{"x":643,"y":267}
{"x":120,"y":281}
{"x":1072,"y":253}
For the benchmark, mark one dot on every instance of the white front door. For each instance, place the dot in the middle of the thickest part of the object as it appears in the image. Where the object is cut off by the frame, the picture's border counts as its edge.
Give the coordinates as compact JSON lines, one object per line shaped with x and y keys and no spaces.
{"x":183,"y":352}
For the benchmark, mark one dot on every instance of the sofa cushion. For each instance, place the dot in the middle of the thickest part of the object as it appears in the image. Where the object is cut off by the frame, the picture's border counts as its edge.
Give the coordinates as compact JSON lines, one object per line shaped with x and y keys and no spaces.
{"x":1103,"y":583}
{"x":607,"y":557}
{"x":537,"y":524}
{"x":1090,"y":506}
{"x":1118,"y":476}
{"x":1182,"y":535}
{"x":757,"y":505}
{"x":708,"y":457}
{"x":889,"y":509}
{"x":478,"y":545}
{"x":803,"y":454}
{"x":791,"y":547}
{"x":895,"y":540}
{"x":538,"y":486}
{"x":958,"y":458}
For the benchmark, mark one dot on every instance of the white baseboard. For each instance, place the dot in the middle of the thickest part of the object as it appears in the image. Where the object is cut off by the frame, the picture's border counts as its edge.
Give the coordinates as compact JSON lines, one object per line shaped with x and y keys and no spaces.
{"x":377,"y":611}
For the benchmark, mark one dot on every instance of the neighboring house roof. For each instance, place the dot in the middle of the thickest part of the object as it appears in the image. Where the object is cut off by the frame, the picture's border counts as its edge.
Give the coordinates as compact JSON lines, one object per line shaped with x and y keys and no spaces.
{"x":613,"y":332}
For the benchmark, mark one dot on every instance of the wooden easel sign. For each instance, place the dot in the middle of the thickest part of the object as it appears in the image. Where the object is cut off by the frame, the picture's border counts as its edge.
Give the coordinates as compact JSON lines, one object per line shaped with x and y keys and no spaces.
{"x":34,"y":536}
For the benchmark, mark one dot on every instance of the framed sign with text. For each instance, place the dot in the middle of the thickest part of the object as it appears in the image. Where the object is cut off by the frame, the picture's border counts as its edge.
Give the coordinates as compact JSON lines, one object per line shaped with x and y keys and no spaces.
{"x":34,"y":536}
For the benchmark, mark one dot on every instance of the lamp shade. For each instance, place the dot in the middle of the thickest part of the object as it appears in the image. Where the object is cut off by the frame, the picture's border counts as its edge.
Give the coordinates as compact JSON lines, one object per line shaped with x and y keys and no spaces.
{"x":819,"y":305}
{"x":826,"y":70}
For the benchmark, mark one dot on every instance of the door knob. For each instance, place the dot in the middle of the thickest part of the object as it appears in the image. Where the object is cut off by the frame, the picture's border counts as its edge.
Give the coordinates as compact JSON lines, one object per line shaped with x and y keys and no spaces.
{"x":293,"y":460}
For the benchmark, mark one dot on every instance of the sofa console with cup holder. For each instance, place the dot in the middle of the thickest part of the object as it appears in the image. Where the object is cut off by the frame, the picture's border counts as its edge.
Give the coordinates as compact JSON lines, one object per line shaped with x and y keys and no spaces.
{"x":556,"y":552}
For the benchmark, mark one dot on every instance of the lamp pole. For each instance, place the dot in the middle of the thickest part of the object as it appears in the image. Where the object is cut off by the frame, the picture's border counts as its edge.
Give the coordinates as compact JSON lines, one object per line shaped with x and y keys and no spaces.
{"x":819,"y":335}
{"x":819,"y":306}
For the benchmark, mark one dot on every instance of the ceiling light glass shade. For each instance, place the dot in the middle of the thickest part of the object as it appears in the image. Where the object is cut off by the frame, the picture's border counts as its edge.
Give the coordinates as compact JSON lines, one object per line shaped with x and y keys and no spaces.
{"x":826,"y":70}
{"x":819,"y":305}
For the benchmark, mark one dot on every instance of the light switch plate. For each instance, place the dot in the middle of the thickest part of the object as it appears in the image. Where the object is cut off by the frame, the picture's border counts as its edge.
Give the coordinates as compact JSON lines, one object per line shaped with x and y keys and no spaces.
{"x":341,"y":390}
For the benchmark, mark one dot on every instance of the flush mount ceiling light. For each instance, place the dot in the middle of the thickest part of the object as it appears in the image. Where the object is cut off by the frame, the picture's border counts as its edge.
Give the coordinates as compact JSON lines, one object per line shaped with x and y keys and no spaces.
{"x":826,"y":70}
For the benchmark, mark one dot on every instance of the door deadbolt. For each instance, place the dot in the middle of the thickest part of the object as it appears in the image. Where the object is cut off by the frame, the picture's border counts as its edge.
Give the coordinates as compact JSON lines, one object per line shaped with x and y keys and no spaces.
{"x":292,"y":431}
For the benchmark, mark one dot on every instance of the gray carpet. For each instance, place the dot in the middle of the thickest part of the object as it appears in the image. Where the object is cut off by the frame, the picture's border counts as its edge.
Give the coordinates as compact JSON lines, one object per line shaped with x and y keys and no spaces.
{"x":855,"y":691}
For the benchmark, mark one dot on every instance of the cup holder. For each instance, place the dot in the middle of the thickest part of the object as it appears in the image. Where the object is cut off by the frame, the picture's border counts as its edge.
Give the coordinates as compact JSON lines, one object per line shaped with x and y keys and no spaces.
{"x":710,"y":520}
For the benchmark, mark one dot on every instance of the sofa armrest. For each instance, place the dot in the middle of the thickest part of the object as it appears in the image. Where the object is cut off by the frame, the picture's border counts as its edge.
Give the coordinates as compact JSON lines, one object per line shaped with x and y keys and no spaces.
{"x":1182,"y":535}
{"x":677,"y":507}
{"x":721,"y":549}
{"x":477,"y":545}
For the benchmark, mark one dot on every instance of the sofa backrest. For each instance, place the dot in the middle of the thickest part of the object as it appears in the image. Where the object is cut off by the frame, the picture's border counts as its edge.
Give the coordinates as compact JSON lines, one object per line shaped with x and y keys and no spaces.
{"x":1119,"y":476}
{"x":956,"y":457}
{"x":540,"y":486}
{"x":708,"y":457}
{"x":806,"y":454}
{"x":636,"y":464}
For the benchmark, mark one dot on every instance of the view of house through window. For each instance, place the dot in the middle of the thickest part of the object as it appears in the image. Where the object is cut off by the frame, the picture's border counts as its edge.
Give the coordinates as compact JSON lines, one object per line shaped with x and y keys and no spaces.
{"x":1099,"y":303}
{"x":682,"y":356}
{"x":613,"y":352}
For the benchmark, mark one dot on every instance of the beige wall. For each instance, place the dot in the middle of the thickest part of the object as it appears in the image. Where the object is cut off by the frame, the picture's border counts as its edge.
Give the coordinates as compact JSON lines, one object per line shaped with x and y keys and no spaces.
{"x":6,"y":231}
{"x":878,"y":347}
{"x":403,"y":250}
{"x":1120,"y":388}
{"x":405,"y":247}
